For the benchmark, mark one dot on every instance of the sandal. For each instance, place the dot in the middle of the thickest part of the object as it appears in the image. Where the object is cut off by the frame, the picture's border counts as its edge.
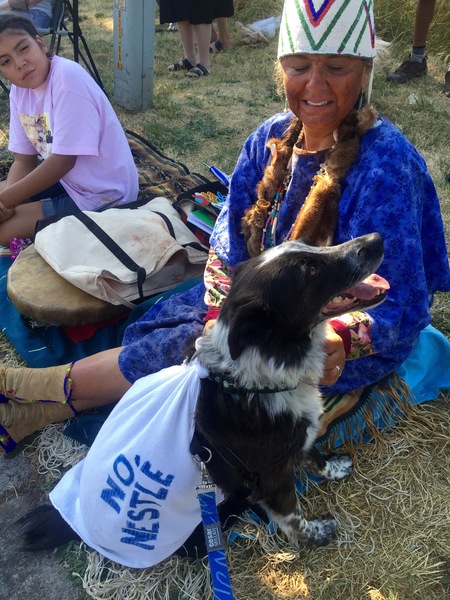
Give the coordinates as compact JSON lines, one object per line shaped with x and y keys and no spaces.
{"x":216,"y":46}
{"x":197,"y":71}
{"x":181,"y":65}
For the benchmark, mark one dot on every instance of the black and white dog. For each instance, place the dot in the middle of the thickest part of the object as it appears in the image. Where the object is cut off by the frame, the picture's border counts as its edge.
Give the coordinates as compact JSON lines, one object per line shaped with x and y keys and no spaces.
{"x":257,"y":414}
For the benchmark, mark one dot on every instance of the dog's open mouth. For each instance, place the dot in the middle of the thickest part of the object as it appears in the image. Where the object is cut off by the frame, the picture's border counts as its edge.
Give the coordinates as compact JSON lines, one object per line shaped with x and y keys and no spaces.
{"x":369,"y":292}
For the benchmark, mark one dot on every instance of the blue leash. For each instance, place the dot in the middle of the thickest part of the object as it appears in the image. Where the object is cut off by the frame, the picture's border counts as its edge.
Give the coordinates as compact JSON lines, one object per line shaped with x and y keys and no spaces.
{"x":206,"y":494}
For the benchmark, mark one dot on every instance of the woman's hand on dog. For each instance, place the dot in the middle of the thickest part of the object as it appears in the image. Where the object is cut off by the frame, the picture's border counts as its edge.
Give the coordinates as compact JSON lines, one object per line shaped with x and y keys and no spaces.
{"x":209,"y":324}
{"x":334,"y":348}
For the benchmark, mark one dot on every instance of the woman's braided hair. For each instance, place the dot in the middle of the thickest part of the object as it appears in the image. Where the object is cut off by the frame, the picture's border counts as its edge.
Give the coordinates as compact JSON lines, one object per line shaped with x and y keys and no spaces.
{"x":317,"y":218}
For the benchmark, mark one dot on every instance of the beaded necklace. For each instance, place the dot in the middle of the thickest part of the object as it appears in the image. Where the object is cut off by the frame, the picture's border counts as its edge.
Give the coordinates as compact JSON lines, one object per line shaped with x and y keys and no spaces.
{"x":268,"y":237}
{"x":271,"y":223}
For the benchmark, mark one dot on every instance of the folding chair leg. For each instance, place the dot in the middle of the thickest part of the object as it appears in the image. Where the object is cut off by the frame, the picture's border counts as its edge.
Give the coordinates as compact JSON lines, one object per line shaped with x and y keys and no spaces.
{"x":4,"y":87}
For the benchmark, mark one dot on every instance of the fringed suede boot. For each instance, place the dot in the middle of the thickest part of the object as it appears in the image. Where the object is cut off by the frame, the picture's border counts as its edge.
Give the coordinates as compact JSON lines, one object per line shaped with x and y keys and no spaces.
{"x":30,"y":399}
{"x":19,"y":420}
{"x":33,"y":385}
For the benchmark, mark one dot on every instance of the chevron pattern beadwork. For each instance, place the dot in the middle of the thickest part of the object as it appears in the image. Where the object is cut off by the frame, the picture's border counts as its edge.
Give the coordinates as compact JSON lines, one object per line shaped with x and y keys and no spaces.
{"x":327,"y":27}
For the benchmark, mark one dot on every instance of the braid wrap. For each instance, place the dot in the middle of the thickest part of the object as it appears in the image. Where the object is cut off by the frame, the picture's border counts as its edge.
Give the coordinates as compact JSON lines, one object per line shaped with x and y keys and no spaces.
{"x":274,"y":175}
{"x":317,"y":218}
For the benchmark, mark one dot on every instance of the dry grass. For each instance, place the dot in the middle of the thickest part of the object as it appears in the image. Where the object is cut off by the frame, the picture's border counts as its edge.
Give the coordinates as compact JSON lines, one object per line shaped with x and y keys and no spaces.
{"x":394,"y":512}
{"x":394,"y":531}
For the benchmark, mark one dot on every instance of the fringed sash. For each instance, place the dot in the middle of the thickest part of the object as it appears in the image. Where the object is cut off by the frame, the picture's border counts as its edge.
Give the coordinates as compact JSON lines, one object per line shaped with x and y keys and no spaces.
{"x":359,"y":415}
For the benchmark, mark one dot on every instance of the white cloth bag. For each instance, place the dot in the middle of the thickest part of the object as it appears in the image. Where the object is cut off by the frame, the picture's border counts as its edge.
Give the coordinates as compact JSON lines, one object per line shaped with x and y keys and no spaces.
{"x":161,"y":247}
{"x":133,"y":497}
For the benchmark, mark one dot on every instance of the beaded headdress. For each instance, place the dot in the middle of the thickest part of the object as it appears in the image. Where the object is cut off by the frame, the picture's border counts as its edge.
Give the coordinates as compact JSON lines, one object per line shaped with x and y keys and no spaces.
{"x":327,"y":27}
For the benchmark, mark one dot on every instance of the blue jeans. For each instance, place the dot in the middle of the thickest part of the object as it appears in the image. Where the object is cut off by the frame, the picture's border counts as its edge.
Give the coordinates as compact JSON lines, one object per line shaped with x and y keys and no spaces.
{"x":57,"y":205}
{"x":39,"y":18}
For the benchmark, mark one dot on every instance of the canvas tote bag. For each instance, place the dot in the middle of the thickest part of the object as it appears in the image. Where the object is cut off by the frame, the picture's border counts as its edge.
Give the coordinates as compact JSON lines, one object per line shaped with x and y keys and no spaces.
{"x":123,"y":254}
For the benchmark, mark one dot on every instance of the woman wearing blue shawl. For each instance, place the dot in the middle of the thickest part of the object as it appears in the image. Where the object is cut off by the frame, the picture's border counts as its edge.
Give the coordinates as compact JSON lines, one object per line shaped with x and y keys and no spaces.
{"x":329,"y":169}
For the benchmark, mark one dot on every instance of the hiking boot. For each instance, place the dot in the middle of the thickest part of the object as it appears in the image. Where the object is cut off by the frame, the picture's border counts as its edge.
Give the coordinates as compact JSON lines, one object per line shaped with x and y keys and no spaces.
{"x":409,"y":69}
{"x":19,"y":420}
{"x":447,"y":84}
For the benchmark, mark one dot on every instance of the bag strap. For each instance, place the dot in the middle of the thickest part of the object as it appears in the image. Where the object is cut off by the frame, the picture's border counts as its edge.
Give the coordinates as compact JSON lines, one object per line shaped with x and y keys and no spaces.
{"x":167,"y":221}
{"x":113,"y":247}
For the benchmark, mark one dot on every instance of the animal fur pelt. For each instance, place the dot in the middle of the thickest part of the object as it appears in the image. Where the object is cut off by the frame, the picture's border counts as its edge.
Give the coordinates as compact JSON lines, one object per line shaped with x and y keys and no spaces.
{"x":317,"y":217}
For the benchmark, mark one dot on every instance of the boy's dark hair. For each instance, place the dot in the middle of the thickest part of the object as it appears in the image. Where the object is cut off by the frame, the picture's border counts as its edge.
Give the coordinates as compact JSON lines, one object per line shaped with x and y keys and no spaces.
{"x":11,"y":21}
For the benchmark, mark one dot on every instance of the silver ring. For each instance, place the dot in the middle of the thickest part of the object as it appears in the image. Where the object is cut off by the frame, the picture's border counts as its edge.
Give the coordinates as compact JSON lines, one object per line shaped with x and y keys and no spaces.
{"x":198,"y":460}
{"x":339,"y":371}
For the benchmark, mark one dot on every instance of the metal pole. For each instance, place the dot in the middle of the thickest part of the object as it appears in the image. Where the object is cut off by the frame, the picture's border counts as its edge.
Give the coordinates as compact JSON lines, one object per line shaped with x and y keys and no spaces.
{"x":134,"y":37}
{"x":76,"y":30}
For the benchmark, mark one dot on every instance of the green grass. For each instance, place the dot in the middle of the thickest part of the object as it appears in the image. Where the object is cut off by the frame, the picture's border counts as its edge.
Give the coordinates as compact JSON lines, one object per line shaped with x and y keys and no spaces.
{"x":73,"y":558}
{"x":395,"y":22}
{"x":446,"y":577}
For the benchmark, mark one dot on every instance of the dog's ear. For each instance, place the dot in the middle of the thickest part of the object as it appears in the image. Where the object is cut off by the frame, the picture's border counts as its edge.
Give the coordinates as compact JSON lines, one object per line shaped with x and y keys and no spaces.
{"x":245,"y":329}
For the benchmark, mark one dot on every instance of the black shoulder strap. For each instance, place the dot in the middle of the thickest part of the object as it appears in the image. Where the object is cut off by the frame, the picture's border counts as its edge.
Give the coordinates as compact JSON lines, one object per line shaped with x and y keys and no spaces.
{"x":113,"y":247}
{"x":165,"y":218}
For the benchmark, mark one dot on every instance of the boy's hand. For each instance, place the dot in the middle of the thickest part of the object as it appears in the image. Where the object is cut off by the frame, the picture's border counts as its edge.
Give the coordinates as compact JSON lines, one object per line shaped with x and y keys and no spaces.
{"x":5,"y":212}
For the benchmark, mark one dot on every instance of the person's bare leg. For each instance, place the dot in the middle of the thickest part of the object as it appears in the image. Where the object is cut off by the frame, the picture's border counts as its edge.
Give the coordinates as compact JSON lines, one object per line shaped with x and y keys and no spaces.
{"x":186,"y":32}
{"x":214,"y":35}
{"x":424,"y":16}
{"x":222,"y":30}
{"x":90,"y":383}
{"x":98,"y":381}
{"x":416,"y":63}
{"x":22,"y":223}
{"x":202,"y":35}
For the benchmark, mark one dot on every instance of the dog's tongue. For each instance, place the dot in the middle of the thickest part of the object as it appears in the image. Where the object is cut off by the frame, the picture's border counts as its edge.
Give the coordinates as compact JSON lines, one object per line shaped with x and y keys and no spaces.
{"x":367,"y":289}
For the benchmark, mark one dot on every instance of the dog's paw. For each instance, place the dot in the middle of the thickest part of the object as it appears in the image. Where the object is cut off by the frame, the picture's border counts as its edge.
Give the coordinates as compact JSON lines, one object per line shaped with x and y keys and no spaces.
{"x":338,"y":466}
{"x":317,"y":532}
{"x":308,"y":534}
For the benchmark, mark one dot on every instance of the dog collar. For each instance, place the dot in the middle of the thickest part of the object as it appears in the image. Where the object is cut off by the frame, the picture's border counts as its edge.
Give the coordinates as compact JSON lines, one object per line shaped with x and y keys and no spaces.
{"x":231,"y":386}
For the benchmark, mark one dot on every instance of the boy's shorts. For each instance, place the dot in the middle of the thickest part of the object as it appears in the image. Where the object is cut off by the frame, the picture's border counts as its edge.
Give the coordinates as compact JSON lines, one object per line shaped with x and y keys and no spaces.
{"x":57,"y":205}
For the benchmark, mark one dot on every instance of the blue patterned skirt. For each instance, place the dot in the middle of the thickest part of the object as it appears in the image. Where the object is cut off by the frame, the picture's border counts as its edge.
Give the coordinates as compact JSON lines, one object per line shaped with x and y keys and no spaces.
{"x":161,"y":337}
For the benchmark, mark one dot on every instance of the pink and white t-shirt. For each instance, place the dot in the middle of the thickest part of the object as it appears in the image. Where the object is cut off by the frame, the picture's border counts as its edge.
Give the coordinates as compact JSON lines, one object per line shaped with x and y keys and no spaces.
{"x":69,"y":114}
